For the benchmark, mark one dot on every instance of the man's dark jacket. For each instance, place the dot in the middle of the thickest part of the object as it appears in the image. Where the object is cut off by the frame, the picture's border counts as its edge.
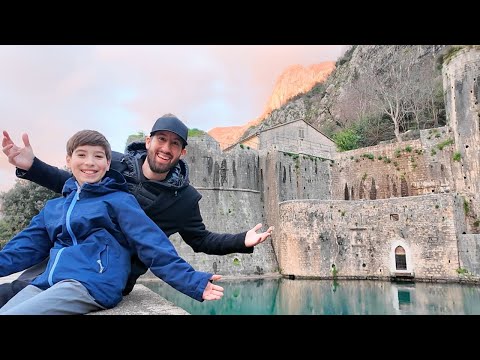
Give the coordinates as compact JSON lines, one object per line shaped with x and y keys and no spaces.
{"x":172,"y":204}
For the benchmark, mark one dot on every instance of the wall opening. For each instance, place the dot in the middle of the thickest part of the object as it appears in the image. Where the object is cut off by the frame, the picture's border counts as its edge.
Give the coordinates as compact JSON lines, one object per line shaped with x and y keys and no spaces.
{"x":373,"y":191}
{"x":400,"y":258}
{"x":346,"y":193}
{"x":403,"y":188}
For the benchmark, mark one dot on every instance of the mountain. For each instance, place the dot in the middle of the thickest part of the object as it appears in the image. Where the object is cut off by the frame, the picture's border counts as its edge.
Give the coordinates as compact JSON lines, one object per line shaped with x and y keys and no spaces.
{"x":349,"y":93}
{"x":295,"y":80}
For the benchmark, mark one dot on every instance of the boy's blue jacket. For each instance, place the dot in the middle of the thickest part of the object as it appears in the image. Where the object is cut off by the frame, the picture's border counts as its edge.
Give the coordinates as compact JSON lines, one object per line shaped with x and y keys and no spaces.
{"x":90,"y":234}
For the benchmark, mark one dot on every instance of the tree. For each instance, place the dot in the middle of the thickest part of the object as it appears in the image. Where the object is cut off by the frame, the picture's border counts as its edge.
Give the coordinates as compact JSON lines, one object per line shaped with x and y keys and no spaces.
{"x":355,"y":111}
{"x":5,"y":233}
{"x":353,"y":104}
{"x":139,"y":136}
{"x":427,"y":95}
{"x":20,"y":204}
{"x":392,"y":86}
{"x":435,"y":106}
{"x":397,"y":86}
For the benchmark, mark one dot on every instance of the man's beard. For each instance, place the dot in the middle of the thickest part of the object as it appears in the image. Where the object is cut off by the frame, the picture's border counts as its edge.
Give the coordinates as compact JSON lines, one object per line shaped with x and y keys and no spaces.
{"x":159,"y":169}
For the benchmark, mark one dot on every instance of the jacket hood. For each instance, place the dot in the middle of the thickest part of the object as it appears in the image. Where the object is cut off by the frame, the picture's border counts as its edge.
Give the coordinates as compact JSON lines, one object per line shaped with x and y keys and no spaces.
{"x":136,"y":148}
{"x":178,"y":177}
{"x":111,"y":182}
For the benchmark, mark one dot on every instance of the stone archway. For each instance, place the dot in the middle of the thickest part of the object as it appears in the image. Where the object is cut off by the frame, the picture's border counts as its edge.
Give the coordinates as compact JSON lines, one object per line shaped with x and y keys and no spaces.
{"x":400,"y":260}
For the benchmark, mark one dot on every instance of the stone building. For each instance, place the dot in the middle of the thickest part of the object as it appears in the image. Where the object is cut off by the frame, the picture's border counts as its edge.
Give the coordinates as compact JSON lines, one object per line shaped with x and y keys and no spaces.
{"x":296,"y":136}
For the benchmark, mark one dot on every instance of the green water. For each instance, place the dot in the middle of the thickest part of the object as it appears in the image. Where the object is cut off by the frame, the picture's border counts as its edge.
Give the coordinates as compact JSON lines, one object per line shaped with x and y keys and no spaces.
{"x":326,"y":297}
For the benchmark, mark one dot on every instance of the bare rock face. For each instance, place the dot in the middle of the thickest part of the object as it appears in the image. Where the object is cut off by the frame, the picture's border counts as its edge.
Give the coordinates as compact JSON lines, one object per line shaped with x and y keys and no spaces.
{"x":227,"y":135}
{"x":296,"y":79}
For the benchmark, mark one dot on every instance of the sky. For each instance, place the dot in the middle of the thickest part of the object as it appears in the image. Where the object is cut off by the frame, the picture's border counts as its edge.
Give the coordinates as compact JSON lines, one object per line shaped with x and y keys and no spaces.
{"x":52,"y":91}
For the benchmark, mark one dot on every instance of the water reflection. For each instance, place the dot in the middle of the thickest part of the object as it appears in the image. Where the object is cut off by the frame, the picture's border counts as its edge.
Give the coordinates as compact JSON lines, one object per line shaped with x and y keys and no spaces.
{"x":326,"y":297}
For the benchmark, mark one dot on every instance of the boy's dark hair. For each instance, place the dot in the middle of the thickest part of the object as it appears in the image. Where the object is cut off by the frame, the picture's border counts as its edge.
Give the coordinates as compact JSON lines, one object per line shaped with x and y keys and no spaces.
{"x":88,"y":137}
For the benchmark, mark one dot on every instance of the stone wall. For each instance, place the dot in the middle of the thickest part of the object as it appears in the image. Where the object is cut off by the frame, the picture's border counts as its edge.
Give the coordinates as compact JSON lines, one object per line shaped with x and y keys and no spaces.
{"x":461,"y":73}
{"x":469,"y":253}
{"x":408,"y":168}
{"x":302,"y":176}
{"x":359,"y":238}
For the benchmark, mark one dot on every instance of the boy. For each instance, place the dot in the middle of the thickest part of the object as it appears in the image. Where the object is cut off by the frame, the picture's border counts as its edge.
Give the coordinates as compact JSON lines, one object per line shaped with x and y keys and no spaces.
{"x":90,"y":234}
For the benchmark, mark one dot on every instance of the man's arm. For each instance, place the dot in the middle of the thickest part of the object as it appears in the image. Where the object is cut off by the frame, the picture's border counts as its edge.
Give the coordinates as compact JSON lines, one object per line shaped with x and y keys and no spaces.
{"x":200,"y":239}
{"x":31,"y":168}
{"x":45,"y":175}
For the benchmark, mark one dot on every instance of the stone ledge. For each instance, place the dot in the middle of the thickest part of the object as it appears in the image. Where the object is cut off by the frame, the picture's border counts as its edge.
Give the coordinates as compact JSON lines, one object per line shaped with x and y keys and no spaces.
{"x":143,"y":301}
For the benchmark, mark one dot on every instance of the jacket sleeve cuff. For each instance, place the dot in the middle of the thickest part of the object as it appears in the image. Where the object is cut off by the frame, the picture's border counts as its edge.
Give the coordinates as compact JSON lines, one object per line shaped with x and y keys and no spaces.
{"x":25,"y":174}
{"x":241,"y":244}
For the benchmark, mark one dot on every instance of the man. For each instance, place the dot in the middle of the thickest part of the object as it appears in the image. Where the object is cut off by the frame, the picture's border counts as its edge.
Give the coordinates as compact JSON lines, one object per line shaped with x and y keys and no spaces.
{"x":158,"y":177}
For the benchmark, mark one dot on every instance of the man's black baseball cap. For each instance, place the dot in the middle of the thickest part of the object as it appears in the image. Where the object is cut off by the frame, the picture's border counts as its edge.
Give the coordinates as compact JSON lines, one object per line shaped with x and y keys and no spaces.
{"x":170,"y":122}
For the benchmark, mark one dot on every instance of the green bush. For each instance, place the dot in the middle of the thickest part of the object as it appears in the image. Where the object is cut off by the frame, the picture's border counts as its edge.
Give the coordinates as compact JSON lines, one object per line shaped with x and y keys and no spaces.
{"x":20,"y":204}
{"x":444,"y":143}
{"x":195,"y":132}
{"x":346,"y":140}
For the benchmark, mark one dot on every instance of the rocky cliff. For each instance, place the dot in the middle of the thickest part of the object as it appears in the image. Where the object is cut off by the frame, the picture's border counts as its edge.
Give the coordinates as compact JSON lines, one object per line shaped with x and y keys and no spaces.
{"x":295,"y":80}
{"x":325,"y":106}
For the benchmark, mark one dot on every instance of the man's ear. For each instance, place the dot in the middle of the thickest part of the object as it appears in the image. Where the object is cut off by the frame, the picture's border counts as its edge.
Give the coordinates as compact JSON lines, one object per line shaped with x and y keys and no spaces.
{"x":148,"y":140}
{"x":183,"y":152}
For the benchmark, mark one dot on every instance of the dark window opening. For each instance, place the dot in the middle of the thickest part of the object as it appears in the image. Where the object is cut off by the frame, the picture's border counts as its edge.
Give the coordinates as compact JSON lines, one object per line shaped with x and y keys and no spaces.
{"x":400,"y":258}
{"x":373,"y":191}
{"x":403,"y":188}
{"x":394,"y":217}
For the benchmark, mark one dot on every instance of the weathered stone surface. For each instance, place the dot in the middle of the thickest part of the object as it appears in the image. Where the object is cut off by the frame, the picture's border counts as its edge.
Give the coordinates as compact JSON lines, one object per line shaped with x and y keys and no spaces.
{"x":143,"y":301}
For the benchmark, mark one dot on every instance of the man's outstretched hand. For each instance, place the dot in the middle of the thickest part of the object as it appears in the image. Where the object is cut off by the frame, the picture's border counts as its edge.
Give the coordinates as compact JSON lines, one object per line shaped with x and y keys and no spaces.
{"x":212,"y":291}
{"x":252,"y":238}
{"x":22,"y":158}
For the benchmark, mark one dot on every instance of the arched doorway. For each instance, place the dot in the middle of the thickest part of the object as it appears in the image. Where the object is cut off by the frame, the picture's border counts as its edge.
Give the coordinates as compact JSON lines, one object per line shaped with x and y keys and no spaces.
{"x":400,"y":258}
